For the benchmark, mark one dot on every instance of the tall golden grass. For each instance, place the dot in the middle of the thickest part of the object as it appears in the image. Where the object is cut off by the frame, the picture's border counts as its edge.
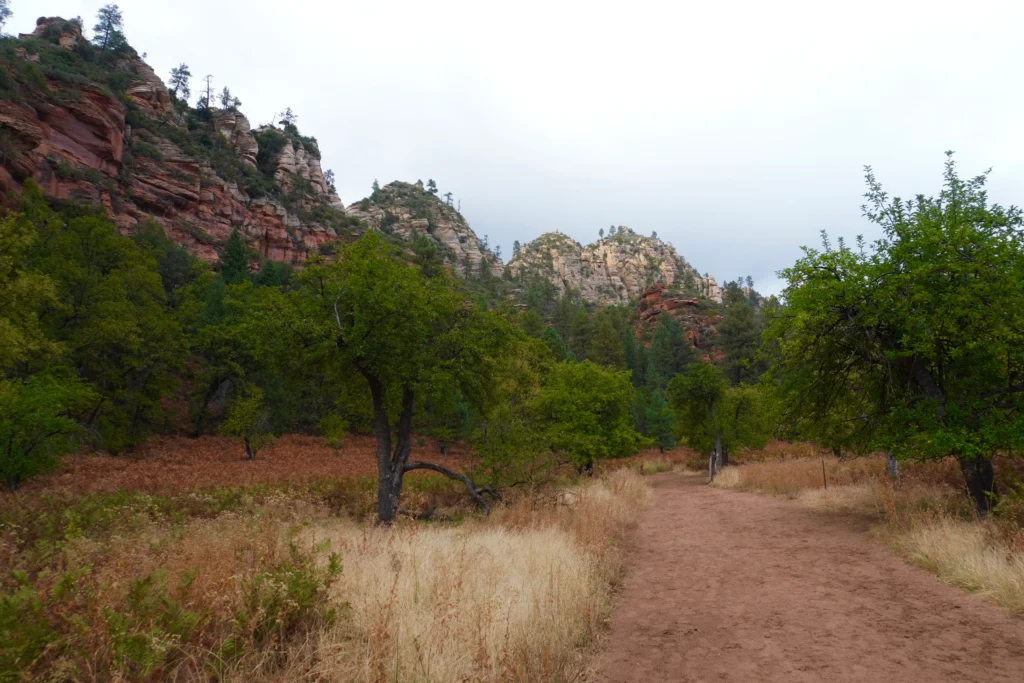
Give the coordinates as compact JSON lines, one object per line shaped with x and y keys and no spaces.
{"x":925,"y":515}
{"x":516,"y":596}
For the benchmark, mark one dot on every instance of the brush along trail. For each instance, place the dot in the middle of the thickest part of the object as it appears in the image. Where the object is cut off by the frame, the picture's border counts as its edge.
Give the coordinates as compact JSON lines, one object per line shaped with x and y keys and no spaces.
{"x":726,"y":585}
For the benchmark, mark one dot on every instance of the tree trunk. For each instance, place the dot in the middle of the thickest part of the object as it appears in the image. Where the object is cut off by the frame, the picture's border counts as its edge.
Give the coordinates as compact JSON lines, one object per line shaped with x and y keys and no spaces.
{"x":719,"y":456}
{"x":387,"y":495}
{"x":892,"y":466}
{"x":249,"y":455}
{"x":981,"y":482}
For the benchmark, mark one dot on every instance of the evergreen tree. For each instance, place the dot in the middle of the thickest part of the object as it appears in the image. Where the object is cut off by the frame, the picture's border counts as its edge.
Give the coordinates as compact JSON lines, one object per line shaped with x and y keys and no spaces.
{"x":234,"y":259}
{"x":180,"y":76}
{"x":660,"y":422}
{"x":109,"y":27}
{"x":581,"y":334}
{"x":515,"y":248}
{"x":288,"y":118}
{"x":739,"y":334}
{"x":432,"y":187}
{"x":669,"y":353}
{"x":553,"y":340}
{"x":606,"y":347}
{"x":563,"y":315}
{"x":600,"y":233}
{"x":5,"y":13}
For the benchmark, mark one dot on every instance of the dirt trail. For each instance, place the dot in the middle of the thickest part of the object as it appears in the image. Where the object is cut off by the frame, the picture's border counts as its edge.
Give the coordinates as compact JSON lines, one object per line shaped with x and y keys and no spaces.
{"x":734,"y":586}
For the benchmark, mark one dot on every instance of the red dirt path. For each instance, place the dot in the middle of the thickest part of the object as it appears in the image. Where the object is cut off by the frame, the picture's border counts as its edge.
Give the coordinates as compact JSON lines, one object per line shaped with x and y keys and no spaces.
{"x":733,"y":586}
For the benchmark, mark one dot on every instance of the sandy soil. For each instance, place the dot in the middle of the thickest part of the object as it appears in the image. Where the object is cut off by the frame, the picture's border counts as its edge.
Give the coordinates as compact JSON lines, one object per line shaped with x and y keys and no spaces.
{"x":733,"y":586}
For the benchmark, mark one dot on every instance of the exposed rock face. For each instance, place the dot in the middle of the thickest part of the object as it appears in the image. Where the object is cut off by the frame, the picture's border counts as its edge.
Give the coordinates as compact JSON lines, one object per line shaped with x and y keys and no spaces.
{"x":613,"y":270}
{"x":73,"y":141}
{"x":699,"y":327}
{"x":408,"y":210}
{"x":235,"y":127}
{"x":66,"y":33}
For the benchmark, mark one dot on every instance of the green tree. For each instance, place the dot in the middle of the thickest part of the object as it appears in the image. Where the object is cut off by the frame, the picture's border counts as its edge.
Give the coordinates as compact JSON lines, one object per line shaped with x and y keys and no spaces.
{"x":432,"y":187}
{"x":606,"y":346}
{"x":739,"y":335}
{"x":5,"y":12}
{"x":669,"y":354}
{"x":234,"y":259}
{"x":37,"y":423}
{"x":581,"y":333}
{"x":407,"y":337}
{"x":696,"y":396}
{"x":914,"y":344}
{"x":559,"y":349}
{"x":180,"y":77}
{"x":249,"y":418}
{"x":109,"y":27}
{"x":660,"y":422}
{"x":25,"y":294}
{"x":585,"y":409}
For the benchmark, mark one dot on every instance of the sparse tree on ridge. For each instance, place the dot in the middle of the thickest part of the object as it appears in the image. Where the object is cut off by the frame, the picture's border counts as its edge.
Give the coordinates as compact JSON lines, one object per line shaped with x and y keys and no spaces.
{"x":515,"y":248}
{"x":431,"y":186}
{"x":5,"y":13}
{"x":288,"y":117}
{"x":600,"y":233}
{"x":180,"y":76}
{"x":448,"y":198}
{"x":109,"y":27}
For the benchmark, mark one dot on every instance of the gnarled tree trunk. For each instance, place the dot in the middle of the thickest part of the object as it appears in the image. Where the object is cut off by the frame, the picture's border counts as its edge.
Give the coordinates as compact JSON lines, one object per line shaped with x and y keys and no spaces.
{"x":981,"y":481}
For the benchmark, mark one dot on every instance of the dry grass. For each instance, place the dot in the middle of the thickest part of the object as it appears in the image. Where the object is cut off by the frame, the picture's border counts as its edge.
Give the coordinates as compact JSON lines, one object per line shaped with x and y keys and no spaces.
{"x":513,"y":597}
{"x":925,"y":515}
{"x":237,"y":584}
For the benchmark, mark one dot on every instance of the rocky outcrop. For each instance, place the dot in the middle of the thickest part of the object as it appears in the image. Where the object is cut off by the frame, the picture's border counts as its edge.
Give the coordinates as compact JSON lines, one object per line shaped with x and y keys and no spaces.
{"x":235,"y":127}
{"x":72,"y":138}
{"x":658,"y":301}
{"x":613,"y":270}
{"x":406,"y":210}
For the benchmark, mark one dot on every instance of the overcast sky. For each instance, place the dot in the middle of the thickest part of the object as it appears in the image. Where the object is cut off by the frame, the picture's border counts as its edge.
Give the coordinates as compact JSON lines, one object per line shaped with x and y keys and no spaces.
{"x":736,"y":130}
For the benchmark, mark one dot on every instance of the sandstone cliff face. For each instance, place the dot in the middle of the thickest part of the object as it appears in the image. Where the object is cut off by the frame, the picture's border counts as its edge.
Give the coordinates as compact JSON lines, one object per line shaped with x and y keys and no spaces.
{"x":152,"y":159}
{"x":658,"y":301}
{"x":613,"y":270}
{"x":407,"y":210}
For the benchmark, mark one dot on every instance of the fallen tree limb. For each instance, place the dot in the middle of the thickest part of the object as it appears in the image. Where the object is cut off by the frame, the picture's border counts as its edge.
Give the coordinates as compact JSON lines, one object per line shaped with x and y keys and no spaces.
{"x":475,"y":493}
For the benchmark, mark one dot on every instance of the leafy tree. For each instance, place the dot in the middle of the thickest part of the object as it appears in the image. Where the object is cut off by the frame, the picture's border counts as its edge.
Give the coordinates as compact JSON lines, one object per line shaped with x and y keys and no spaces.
{"x":914,"y":344}
{"x":739,"y":334}
{"x":111,"y":316}
{"x":696,"y":396}
{"x":407,"y":337}
{"x":109,"y":27}
{"x":234,"y":259}
{"x":660,"y":422}
{"x":180,"y":77}
{"x":289,"y":118}
{"x":586,"y":411}
{"x":249,"y":418}
{"x":5,"y":12}
{"x":37,"y":423}
{"x":25,"y":294}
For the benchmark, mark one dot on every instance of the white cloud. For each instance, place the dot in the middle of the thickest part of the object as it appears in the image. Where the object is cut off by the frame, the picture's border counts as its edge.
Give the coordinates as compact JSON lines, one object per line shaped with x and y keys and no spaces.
{"x":735,"y":130}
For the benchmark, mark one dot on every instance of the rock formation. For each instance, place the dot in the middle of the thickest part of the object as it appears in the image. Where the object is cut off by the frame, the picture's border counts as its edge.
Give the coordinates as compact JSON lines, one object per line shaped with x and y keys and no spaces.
{"x":698,"y":325}
{"x":406,"y":210}
{"x":142,"y":156}
{"x":613,"y":270}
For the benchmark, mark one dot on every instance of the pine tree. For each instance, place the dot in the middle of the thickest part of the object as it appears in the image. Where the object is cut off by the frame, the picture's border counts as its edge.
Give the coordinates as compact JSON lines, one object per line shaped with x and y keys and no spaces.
{"x":432,"y":187}
{"x":109,"y":27}
{"x":660,"y":422}
{"x":5,"y":13}
{"x":515,"y":248}
{"x":600,"y":233}
{"x":234,"y":259}
{"x":581,"y":334}
{"x":670,"y":351}
{"x":180,"y":76}
{"x":739,"y":334}
{"x":553,"y":340}
{"x":606,"y":347}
